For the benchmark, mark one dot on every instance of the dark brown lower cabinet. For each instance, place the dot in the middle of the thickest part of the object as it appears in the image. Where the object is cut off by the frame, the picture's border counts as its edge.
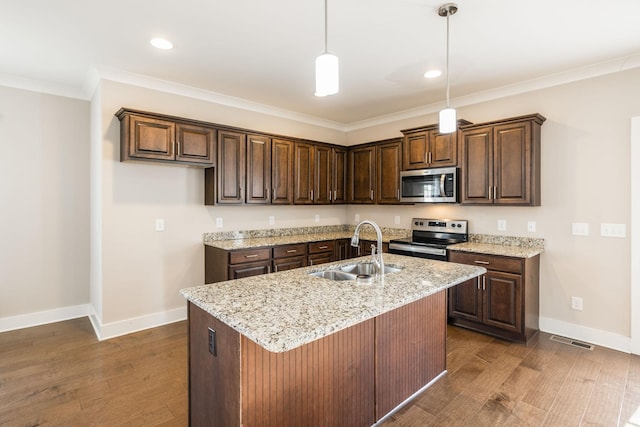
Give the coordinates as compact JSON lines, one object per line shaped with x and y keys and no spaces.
{"x":504,"y":302}
{"x":288,"y":257}
{"x":322,"y":252}
{"x":350,"y":378}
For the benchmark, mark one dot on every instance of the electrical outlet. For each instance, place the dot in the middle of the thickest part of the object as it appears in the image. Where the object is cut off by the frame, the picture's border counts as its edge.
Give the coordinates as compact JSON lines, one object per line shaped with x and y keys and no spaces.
{"x":396,"y":220}
{"x":272,"y":219}
{"x":212,"y":342}
{"x":357,"y":217}
{"x":317,"y":218}
{"x":219,"y":222}
{"x":576,"y":303}
{"x":580,"y":229}
{"x":531,"y":226}
{"x":502,"y":224}
{"x":159,"y":224}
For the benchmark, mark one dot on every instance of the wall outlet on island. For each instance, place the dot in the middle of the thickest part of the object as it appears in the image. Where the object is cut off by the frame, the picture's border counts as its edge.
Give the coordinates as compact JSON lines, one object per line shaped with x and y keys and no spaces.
{"x":219,"y":222}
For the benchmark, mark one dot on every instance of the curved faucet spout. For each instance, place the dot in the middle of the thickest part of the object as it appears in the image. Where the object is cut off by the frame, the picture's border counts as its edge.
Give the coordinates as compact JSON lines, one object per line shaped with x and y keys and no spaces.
{"x":376,"y":253}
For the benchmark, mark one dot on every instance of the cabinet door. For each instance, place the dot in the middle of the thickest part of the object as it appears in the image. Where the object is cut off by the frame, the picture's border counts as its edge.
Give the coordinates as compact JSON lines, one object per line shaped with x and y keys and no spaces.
{"x":322,"y":189}
{"x":258,"y":169}
{"x":151,"y":138}
{"x":284,"y":264}
{"x":321,"y":258}
{"x":502,"y":300}
{"x":231,"y":167}
{"x":282,"y":172}
{"x":512,"y":164}
{"x":303,"y":174}
{"x":343,"y":249}
{"x":465,"y":300}
{"x":415,"y":151}
{"x":443,"y":149}
{"x":339,"y":176}
{"x":362,"y":172}
{"x":250,"y":269}
{"x":477,"y":166}
{"x":389,"y":164}
{"x":195,"y":144}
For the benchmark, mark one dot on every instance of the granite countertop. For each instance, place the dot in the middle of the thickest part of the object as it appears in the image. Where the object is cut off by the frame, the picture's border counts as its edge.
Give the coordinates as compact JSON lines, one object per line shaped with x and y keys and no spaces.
{"x":285,"y":310}
{"x":256,"y":242}
{"x":519,"y":247}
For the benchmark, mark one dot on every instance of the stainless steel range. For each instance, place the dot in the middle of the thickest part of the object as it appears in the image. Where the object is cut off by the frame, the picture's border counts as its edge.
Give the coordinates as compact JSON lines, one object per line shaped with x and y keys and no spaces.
{"x":430,"y":238}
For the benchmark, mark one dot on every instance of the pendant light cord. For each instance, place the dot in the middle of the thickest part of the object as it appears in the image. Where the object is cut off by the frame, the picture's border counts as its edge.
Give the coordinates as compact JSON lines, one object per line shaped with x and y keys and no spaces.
{"x":448,"y":14}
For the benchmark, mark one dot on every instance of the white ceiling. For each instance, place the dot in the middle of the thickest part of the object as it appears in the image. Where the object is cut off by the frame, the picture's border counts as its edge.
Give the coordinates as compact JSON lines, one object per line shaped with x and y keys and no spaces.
{"x":264,"y":51}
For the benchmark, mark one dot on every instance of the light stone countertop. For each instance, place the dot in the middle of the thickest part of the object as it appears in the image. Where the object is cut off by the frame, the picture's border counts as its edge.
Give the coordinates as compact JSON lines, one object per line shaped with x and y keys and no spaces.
{"x":497,"y":249}
{"x":256,"y":242}
{"x":285,"y":310}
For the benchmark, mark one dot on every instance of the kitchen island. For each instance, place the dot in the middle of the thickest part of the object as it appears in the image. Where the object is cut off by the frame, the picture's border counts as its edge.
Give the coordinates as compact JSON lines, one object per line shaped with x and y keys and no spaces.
{"x":293,"y":349}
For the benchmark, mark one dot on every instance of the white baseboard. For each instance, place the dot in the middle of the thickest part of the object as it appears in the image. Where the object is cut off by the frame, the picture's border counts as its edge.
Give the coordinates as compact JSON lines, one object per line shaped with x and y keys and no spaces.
{"x":135,"y":324}
{"x":43,"y":317}
{"x":583,"y":333}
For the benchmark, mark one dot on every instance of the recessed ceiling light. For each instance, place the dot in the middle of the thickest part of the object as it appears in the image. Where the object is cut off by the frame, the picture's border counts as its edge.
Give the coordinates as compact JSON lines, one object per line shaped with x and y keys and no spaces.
{"x":161,"y":43}
{"x":432,"y":74}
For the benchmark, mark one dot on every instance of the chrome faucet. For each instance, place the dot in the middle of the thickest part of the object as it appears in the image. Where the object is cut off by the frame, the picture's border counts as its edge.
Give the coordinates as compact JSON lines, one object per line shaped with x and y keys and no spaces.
{"x":376,"y":254}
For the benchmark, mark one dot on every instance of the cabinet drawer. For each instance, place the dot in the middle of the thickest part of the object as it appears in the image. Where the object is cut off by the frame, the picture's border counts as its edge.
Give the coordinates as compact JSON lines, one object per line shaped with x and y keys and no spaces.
{"x":326,"y":246}
{"x":286,"y":251}
{"x":249,"y":255}
{"x":490,"y":262}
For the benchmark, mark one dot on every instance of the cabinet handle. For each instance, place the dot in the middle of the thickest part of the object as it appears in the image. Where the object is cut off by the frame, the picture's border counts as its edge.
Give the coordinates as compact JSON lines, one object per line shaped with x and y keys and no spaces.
{"x":482,"y":262}
{"x":323,"y":247}
{"x":398,"y":193}
{"x":371,"y":194}
{"x":483,"y":288}
{"x":426,"y":158}
{"x":495,"y":192}
{"x":330,"y":195}
{"x":490,"y":189}
{"x":334,"y":194}
{"x":267,"y":191}
{"x":311,"y":195}
{"x":251,"y":256}
{"x":429,"y":157}
{"x":177,"y":148}
{"x":240,"y":191}
{"x":290,"y":251}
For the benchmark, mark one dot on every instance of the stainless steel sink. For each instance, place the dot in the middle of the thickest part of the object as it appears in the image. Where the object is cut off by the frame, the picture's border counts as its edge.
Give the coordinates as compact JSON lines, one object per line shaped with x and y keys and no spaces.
{"x":360,"y":271}
{"x":367,"y":268}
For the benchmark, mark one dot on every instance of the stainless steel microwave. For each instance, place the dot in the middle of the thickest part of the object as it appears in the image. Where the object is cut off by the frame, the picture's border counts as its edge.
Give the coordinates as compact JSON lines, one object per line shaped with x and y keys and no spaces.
{"x":436,"y":185}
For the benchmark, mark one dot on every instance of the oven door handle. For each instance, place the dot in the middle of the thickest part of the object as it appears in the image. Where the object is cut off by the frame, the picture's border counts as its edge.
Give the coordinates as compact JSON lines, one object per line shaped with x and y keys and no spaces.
{"x":442,"y":178}
{"x":417,"y":249}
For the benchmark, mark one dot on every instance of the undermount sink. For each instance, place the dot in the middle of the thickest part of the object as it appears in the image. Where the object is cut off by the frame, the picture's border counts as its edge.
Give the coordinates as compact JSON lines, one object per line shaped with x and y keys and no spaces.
{"x":359,"y":271}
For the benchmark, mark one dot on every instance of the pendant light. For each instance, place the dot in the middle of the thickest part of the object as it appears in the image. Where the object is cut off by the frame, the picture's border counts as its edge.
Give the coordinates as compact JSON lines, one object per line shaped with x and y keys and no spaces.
{"x":327,"y":75}
{"x":448,"y":115}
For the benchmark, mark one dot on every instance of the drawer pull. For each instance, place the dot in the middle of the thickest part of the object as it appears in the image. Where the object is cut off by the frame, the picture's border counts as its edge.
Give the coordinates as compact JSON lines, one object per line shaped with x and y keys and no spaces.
{"x":251,"y":256}
{"x":323,"y":247}
{"x":290,"y":251}
{"x":482,"y":262}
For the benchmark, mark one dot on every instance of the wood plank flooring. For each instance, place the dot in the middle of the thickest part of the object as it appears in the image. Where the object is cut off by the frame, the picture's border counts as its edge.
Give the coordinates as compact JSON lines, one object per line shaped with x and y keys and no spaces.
{"x":60,"y":375}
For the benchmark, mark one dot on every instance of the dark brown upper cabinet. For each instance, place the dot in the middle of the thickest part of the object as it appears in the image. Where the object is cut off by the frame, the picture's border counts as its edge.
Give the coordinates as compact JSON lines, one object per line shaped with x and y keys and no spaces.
{"x":425,"y":147}
{"x":258,"y":169}
{"x":389,"y":157}
{"x":500,"y":162}
{"x":148,"y":136}
{"x":231,"y":167}
{"x":339,"y":175}
{"x":303,"y":165}
{"x":330,"y":175}
{"x":362,"y":174}
{"x":282,"y":171}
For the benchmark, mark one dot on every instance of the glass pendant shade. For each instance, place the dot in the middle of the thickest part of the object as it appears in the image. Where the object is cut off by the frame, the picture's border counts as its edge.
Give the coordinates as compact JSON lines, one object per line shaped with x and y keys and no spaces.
{"x":327,"y":74}
{"x":447,"y":120}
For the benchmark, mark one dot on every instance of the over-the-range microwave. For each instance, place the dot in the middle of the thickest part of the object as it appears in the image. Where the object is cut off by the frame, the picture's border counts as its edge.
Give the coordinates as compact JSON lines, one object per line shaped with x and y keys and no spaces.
{"x":435,"y":185}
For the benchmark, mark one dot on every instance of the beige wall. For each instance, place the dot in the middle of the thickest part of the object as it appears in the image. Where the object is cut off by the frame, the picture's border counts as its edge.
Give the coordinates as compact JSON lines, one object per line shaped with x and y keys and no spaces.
{"x":136,"y":272}
{"x":44,"y":231}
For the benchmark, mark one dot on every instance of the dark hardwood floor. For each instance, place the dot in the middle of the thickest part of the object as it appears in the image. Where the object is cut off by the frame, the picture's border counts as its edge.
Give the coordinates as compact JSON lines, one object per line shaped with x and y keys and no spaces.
{"x":60,"y":375}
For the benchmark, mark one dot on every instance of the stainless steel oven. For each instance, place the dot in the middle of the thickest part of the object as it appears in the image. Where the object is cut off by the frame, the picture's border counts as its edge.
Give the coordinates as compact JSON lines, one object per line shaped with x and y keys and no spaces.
{"x":430,"y":238}
{"x":437,"y":185}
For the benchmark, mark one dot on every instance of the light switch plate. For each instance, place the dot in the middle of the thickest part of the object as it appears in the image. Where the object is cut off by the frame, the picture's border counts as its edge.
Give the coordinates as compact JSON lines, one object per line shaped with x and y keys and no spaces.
{"x":613,"y":230}
{"x":580,"y":228}
{"x":219,"y":222}
{"x":531,"y":226}
{"x":396,"y":220}
{"x":272,"y":219}
{"x":317,"y":218}
{"x":159,"y":224}
{"x":502,"y":225}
